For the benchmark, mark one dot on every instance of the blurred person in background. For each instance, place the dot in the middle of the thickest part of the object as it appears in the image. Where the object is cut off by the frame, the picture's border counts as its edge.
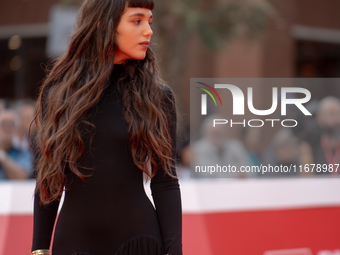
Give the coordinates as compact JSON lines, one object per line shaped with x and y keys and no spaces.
{"x":184,"y":160}
{"x":25,"y":111}
{"x":306,"y":131}
{"x":215,"y":147}
{"x":284,"y":150}
{"x":14,"y":164}
{"x":326,"y":145}
{"x":251,"y":138}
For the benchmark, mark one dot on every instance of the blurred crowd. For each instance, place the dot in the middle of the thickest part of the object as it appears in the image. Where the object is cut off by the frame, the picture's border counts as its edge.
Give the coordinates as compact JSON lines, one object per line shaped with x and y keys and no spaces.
{"x":16,"y":161}
{"x":315,"y":141}
{"x":311,"y":149}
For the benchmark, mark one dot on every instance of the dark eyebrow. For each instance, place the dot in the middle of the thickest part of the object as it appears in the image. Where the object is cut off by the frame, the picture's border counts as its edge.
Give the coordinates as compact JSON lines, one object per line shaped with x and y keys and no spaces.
{"x":139,"y":14}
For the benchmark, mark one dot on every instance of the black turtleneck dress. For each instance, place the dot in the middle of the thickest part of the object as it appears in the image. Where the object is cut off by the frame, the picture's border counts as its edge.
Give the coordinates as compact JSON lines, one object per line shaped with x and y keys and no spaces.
{"x":111,"y":214}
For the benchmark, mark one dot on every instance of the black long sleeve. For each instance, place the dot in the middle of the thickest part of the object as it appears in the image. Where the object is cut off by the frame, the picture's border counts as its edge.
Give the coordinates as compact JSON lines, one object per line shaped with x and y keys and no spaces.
{"x":167,"y":198}
{"x":43,"y":222}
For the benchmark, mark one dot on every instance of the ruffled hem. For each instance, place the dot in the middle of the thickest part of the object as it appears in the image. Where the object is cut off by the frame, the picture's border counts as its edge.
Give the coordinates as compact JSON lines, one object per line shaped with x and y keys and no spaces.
{"x":137,"y":245}
{"x":141,"y":245}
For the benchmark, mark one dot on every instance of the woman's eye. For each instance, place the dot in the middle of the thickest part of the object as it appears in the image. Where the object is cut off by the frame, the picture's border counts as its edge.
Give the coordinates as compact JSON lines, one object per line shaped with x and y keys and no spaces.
{"x":137,"y":21}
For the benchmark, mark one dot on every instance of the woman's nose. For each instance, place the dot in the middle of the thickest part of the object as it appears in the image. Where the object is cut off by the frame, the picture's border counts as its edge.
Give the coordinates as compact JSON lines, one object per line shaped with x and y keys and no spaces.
{"x":148,"y":31}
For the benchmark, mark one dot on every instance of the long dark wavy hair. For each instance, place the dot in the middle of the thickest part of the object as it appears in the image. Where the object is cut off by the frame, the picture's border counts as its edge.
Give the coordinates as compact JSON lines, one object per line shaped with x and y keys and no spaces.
{"x":75,"y":84}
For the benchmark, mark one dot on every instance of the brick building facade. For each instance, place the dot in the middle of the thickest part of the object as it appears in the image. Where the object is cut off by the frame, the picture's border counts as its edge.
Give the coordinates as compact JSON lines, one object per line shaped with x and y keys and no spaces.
{"x":302,"y":40}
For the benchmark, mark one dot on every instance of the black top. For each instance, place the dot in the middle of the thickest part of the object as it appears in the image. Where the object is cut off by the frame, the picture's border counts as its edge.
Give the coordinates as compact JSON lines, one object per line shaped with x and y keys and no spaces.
{"x":112,"y":214}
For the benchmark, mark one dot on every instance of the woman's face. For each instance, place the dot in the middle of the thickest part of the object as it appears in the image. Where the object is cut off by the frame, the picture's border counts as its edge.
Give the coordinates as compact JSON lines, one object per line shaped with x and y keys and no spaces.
{"x":133,"y":34}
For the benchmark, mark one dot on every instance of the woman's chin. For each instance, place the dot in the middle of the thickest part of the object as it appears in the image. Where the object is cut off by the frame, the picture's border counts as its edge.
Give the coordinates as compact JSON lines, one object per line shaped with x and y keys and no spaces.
{"x":140,"y":56}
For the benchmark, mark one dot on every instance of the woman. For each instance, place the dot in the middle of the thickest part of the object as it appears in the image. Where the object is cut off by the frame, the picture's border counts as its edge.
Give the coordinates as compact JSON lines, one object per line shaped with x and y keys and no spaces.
{"x":103,"y":119}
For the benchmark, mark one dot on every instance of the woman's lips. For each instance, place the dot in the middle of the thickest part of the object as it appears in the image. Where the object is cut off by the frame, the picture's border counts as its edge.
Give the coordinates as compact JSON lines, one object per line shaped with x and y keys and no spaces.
{"x":145,"y":44}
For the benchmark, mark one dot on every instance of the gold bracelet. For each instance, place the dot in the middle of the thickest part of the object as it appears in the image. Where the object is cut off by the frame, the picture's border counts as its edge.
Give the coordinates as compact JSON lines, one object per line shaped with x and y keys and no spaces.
{"x":40,"y":252}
